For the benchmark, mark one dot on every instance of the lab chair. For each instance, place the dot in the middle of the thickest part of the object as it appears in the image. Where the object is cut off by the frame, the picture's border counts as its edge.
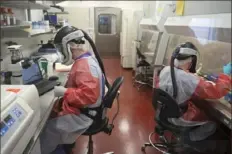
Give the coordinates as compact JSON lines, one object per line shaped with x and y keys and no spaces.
{"x":99,"y":124}
{"x":142,"y":68}
{"x":166,"y":107}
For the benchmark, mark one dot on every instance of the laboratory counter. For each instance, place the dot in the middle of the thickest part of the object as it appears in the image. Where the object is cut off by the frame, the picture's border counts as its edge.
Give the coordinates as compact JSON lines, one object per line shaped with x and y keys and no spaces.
{"x":46,"y":101}
{"x":219,"y":109}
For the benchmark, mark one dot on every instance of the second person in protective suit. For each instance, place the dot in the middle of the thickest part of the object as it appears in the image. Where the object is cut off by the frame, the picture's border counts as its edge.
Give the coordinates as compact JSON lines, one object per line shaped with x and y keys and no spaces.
{"x":189,"y":85}
{"x":84,"y":88}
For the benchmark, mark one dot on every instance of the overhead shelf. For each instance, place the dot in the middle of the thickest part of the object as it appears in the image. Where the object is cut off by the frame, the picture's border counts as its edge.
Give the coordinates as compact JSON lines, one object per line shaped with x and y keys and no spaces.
{"x":216,"y":27}
{"x":22,"y":32}
{"x":65,"y":12}
{"x":24,"y":5}
{"x":36,"y":33}
{"x":14,"y":27}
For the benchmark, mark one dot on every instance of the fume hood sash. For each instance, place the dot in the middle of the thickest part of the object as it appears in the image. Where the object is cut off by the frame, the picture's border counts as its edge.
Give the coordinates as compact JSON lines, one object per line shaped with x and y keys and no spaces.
{"x":216,"y":27}
{"x":149,"y":23}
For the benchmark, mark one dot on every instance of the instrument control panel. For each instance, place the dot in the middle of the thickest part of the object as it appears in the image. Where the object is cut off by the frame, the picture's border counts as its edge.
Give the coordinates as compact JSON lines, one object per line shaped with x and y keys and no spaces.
{"x":11,"y":121}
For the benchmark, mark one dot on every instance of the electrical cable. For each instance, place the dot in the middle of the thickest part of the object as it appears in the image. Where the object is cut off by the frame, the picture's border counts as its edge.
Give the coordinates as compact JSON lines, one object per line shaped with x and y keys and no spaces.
{"x":116,"y":114}
{"x":164,"y":152}
{"x":173,"y":76}
{"x":87,"y":37}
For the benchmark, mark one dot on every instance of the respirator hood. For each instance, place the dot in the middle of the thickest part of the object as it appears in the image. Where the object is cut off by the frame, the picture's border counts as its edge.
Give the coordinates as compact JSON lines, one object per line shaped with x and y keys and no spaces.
{"x":182,"y":52}
{"x":63,"y":37}
{"x":72,"y":34}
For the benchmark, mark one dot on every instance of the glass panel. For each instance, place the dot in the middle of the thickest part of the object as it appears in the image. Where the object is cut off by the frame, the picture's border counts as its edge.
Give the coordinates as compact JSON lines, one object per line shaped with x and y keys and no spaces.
{"x":107,"y":24}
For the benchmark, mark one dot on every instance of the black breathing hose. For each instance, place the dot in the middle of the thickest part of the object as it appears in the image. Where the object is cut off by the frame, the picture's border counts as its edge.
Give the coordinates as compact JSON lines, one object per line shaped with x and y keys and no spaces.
{"x":87,"y":37}
{"x":173,"y":76}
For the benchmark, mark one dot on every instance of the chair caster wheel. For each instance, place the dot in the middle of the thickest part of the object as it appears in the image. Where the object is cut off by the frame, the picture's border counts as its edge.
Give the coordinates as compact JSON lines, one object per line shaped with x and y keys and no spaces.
{"x":143,"y":148}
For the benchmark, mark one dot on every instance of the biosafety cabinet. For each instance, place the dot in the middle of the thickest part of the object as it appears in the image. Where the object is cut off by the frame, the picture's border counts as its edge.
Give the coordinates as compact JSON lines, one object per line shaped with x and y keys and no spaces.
{"x":154,"y":39}
{"x":210,"y":33}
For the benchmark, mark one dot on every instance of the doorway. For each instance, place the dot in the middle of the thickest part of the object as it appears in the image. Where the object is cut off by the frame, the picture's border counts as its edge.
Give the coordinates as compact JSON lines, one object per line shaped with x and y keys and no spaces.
{"x":107,"y":31}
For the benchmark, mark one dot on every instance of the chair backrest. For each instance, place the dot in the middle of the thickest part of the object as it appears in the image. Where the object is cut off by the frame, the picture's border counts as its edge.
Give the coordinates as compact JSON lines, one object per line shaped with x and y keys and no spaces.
{"x":166,"y":104}
{"x":112,"y":92}
{"x":100,"y":120}
{"x":140,"y":55}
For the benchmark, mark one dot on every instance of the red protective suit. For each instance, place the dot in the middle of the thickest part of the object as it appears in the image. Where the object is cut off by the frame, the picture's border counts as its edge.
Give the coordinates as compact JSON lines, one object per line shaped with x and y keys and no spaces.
{"x":207,"y":90}
{"x":84,"y":86}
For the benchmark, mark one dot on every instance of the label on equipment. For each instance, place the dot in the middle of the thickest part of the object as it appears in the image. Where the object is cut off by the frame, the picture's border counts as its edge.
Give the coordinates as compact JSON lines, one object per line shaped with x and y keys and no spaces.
{"x":15,"y":90}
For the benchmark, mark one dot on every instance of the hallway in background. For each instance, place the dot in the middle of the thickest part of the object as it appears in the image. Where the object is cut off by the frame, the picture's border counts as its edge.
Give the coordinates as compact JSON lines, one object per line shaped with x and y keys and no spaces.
{"x":134,"y":122}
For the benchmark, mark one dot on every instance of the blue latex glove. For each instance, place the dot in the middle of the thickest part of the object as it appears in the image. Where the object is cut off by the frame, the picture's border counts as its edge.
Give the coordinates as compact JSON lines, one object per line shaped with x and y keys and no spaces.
{"x":212,"y":77}
{"x":227,"y":69}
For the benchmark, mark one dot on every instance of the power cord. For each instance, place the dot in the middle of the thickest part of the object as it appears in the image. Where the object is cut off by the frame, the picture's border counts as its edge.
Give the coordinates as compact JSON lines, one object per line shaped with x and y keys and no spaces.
{"x":164,"y":152}
{"x":116,"y":114}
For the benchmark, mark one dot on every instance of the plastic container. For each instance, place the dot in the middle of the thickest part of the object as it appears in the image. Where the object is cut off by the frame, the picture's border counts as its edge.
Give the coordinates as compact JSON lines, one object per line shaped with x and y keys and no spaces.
{"x":11,"y":16}
{"x":46,"y":25}
{"x":50,"y":70}
{"x":40,"y":25}
{"x":36,"y":25}
{"x":3,"y":17}
{"x":33,"y":25}
{"x":7,"y":17}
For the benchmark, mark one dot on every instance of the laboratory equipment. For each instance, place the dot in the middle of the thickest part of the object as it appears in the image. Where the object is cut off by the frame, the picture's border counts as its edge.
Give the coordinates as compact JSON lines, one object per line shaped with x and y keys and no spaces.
{"x":16,"y":53}
{"x":11,"y":17}
{"x":7,"y":77}
{"x":154,"y":39}
{"x":20,"y":115}
{"x":3,"y":17}
{"x":16,"y":69}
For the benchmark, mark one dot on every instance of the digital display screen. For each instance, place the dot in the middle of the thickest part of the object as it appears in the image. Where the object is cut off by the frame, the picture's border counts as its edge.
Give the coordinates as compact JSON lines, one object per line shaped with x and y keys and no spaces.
{"x":2,"y":125}
{"x":31,"y":74}
{"x":3,"y":129}
{"x":8,"y":118}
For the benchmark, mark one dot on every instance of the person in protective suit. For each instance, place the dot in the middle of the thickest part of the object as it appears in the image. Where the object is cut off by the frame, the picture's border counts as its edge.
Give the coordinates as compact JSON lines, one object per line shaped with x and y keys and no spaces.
{"x":180,"y":81}
{"x":84,"y":88}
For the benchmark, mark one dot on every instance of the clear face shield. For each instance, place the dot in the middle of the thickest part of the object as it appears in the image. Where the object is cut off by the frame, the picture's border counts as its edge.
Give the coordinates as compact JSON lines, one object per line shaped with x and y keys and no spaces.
{"x":65,"y":54}
{"x":59,"y":52}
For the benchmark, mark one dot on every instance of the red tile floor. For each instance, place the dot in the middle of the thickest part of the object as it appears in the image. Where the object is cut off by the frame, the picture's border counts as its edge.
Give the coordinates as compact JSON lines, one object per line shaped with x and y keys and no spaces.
{"x":134,"y":122}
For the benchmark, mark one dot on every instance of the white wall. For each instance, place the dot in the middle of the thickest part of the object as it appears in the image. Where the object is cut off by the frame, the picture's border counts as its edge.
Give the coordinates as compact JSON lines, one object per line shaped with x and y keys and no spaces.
{"x":206,"y":7}
{"x":121,"y":4}
{"x":149,"y":8}
{"x":77,"y":17}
